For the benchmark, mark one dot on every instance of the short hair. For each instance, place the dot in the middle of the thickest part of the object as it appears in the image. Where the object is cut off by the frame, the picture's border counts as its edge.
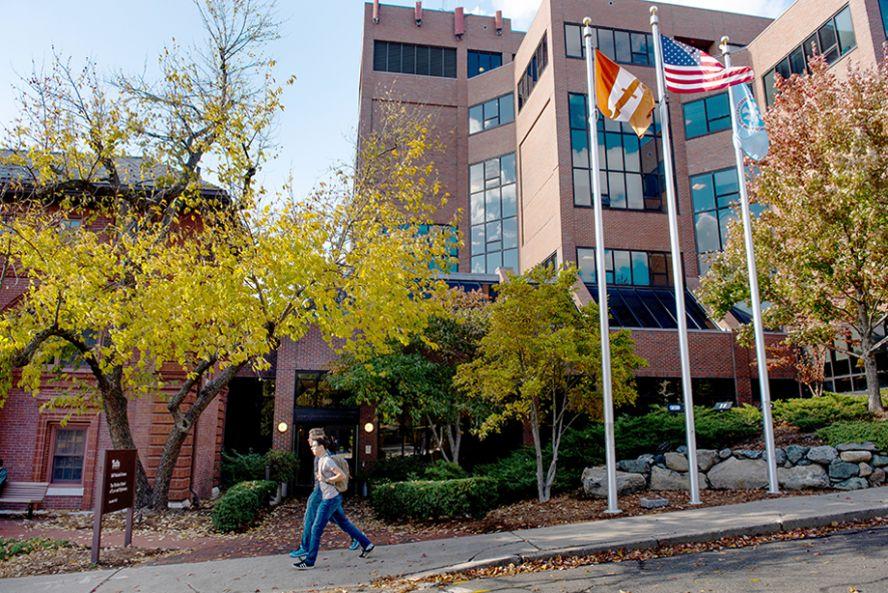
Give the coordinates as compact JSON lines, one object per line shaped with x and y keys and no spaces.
{"x":316,"y":433}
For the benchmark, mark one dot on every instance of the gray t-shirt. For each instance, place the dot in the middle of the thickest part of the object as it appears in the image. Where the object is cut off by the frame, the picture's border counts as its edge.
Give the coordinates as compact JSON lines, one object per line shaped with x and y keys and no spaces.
{"x":325,"y":470}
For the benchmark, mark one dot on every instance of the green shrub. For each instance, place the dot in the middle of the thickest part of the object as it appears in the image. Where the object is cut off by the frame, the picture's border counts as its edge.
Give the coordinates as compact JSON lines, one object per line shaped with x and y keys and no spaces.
{"x":237,"y":467}
{"x":429,"y":500}
{"x":856,"y":432}
{"x":282,"y":465}
{"x":241,"y":504}
{"x":14,"y":546}
{"x":810,"y":414}
{"x":397,"y":469}
{"x":444,"y":470}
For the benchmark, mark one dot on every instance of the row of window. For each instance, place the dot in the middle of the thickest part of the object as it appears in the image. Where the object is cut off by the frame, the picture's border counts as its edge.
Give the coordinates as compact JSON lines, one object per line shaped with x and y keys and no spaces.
{"x":408,"y":58}
{"x":491,"y":114}
{"x":631,"y":169}
{"x":832,"y":40}
{"x":480,"y":62}
{"x":493,"y":205}
{"x":625,"y":267}
{"x":623,"y":47}
{"x":532,"y":73}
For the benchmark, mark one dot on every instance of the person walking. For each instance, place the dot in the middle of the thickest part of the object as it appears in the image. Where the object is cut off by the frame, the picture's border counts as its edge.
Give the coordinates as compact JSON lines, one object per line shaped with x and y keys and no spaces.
{"x":328,"y":474}
{"x":311,"y":507}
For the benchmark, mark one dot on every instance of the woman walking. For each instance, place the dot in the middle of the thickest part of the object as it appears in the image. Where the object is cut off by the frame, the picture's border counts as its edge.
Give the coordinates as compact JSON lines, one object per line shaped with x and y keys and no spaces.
{"x":328,"y":474}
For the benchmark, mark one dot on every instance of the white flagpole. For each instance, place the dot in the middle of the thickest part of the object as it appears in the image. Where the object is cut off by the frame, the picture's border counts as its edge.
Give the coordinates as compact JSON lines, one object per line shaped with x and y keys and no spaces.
{"x":760,"y":354}
{"x":610,"y":455}
{"x":677,"y":268}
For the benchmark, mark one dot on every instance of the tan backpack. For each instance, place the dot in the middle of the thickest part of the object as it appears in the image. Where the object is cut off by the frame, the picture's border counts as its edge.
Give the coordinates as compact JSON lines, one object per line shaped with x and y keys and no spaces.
{"x":342,"y":463}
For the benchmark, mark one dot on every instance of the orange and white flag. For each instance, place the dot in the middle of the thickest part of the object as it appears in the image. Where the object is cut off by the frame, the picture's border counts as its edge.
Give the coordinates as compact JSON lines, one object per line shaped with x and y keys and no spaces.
{"x":621,"y":96}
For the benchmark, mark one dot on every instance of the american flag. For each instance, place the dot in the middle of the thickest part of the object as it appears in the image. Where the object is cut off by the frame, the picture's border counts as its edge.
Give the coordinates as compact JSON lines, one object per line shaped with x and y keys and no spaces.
{"x":689,"y":70}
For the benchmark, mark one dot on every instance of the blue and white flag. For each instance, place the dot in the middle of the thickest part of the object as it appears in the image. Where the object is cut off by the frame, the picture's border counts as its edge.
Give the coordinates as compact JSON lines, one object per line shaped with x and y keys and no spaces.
{"x":750,"y":132}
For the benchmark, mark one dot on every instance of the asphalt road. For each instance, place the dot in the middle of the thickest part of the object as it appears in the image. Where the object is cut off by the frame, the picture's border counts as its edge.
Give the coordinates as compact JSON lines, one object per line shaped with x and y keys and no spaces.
{"x":841,"y":563}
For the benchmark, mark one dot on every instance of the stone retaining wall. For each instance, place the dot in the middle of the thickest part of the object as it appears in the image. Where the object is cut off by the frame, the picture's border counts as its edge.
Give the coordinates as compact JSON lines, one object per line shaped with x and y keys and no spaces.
{"x":850,"y":466}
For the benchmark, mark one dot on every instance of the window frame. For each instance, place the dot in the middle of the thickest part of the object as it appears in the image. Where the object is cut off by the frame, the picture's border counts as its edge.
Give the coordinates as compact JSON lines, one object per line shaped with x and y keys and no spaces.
{"x":716,"y":210}
{"x":704,"y":101}
{"x":501,"y":99}
{"x":482,"y":52}
{"x":53,"y":452}
{"x":609,"y":267}
{"x":648,"y":37}
{"x":807,"y":52}
{"x":447,"y":55}
{"x":536,"y":66}
{"x":484,"y":193}
{"x":606,"y":131}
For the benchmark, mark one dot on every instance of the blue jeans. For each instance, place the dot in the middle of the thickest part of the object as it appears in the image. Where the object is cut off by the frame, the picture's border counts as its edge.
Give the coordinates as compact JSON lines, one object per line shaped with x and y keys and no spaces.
{"x":311,"y":511}
{"x":331,"y":509}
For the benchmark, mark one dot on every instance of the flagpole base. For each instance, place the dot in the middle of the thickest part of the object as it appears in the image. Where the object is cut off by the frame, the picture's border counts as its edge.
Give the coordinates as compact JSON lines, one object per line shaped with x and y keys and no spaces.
{"x":613,"y":512}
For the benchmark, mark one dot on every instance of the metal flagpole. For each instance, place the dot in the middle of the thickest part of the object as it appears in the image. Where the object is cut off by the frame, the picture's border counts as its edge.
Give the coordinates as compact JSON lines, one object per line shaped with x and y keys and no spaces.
{"x":760,"y":355}
{"x":677,"y":268}
{"x":607,"y":388}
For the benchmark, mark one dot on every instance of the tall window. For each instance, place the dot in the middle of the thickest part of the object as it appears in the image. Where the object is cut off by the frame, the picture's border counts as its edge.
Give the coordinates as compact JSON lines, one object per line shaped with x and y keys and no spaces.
{"x":452,"y":238}
{"x":67,"y":457}
{"x":883,"y":6}
{"x":623,"y":47}
{"x":480,"y":62}
{"x":832,"y":40}
{"x":705,"y":116}
{"x":532,"y":73}
{"x":632,"y":176}
{"x":407,"y":58}
{"x":494,"y":214}
{"x":491,"y":114}
{"x":625,"y":267}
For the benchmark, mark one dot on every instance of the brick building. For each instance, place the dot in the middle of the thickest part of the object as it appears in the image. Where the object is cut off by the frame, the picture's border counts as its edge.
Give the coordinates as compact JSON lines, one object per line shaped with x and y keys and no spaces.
{"x":510,"y":108}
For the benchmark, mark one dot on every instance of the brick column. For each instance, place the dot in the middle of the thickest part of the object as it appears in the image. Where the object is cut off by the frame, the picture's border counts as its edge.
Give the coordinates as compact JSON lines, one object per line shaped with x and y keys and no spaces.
{"x":284,"y":395}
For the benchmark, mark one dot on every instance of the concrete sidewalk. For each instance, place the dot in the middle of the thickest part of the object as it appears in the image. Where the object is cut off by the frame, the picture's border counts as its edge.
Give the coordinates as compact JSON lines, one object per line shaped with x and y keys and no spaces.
{"x":343,"y":569}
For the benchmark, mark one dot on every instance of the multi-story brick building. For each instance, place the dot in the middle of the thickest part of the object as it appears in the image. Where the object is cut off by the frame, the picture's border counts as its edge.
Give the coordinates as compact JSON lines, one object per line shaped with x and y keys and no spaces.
{"x":510,"y":109}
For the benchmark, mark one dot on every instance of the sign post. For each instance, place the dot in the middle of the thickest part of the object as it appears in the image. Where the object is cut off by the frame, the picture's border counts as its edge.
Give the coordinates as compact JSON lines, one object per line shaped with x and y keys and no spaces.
{"x":115,"y":490}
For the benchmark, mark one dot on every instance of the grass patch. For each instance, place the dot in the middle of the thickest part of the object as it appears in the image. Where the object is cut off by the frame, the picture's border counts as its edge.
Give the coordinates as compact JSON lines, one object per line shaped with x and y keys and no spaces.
{"x":11,"y":546}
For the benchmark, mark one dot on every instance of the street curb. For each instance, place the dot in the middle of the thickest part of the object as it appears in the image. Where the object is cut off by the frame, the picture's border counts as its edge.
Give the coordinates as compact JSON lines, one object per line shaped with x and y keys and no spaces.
{"x":763,"y":528}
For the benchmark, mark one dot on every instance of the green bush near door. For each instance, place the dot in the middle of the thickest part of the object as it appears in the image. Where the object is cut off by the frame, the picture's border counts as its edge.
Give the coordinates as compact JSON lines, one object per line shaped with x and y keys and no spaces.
{"x":426,"y":500}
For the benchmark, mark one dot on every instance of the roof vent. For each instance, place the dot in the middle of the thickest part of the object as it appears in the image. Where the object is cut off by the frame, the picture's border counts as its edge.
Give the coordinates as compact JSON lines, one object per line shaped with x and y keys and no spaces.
{"x":499,"y":22}
{"x":375,"y":12}
{"x":459,"y":22}
{"x":417,"y":13}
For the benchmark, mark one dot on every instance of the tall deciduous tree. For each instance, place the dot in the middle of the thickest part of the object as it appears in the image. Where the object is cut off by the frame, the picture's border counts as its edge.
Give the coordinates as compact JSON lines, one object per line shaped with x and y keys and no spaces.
{"x":822,"y":240}
{"x":540,"y":362}
{"x":172,"y":284}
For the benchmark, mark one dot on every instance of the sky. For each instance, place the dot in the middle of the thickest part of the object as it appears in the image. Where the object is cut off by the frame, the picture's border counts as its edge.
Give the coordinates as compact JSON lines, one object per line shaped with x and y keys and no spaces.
{"x":320,"y":45}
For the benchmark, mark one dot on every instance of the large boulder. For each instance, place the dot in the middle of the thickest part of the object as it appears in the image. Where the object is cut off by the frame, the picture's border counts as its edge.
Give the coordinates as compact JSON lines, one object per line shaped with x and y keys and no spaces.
{"x":739,"y":474}
{"x":706,"y":458}
{"x":796,"y":453}
{"x":676,"y":462}
{"x":779,"y":455}
{"x":880,"y":460}
{"x":803,"y":476}
{"x":852,"y":484}
{"x":855,"y":456}
{"x":823,"y":454}
{"x":865,"y":470}
{"x":595,"y":482}
{"x":877,"y":478}
{"x":842,"y":470}
{"x":666,"y":479}
{"x":634,"y":466}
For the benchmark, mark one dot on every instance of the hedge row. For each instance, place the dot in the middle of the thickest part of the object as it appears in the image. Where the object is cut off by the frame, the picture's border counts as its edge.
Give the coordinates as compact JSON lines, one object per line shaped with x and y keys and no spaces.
{"x":241,"y":504}
{"x":856,"y":432}
{"x":426,"y":500}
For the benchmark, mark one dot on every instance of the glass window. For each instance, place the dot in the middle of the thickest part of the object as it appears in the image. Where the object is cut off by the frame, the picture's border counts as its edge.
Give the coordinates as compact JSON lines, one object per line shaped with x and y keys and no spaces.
{"x":828,"y":41}
{"x":695,"y":119}
{"x":480,"y":62}
{"x":845,"y":30}
{"x":797,"y":64}
{"x":631,"y":169}
{"x":573,"y":40}
{"x":67,"y":458}
{"x":714,"y":196}
{"x":408,"y":58}
{"x":624,"y":47}
{"x":532,"y":73}
{"x":625,"y":267}
{"x":494,"y":215}
{"x":883,"y":6}
{"x":491,"y":114}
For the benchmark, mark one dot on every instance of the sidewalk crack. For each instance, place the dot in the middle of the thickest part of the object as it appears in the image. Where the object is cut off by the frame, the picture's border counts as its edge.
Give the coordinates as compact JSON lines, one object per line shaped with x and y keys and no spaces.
{"x":105,"y":580}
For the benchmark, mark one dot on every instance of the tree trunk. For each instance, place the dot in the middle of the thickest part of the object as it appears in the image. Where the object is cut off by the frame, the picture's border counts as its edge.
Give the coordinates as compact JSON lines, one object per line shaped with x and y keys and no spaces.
{"x":542,"y":489}
{"x":115,"y":405}
{"x":869,"y":365}
{"x":182,"y":424}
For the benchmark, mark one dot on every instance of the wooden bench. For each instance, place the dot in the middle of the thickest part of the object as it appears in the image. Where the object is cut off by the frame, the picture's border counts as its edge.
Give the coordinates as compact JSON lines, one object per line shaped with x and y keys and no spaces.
{"x":29,"y":493}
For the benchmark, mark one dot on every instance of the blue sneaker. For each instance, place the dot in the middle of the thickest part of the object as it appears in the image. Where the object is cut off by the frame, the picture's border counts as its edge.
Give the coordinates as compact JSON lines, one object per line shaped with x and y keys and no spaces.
{"x":300,"y":553}
{"x":354,"y":545}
